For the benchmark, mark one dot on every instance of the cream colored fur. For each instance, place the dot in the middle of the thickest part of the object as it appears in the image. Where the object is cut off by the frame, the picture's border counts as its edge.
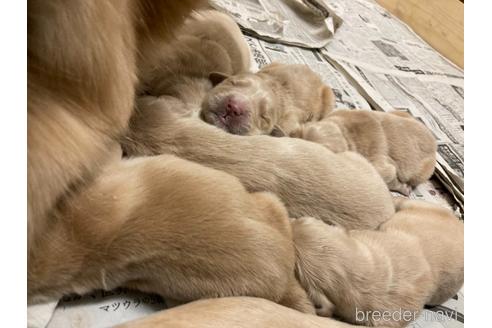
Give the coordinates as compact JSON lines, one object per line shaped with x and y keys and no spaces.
{"x":401,"y":149}
{"x":208,"y":41}
{"x":158,"y":224}
{"x":237,"y":312}
{"x":277,"y":99}
{"x":416,"y":258}
{"x":168,"y":226}
{"x":307,"y":177}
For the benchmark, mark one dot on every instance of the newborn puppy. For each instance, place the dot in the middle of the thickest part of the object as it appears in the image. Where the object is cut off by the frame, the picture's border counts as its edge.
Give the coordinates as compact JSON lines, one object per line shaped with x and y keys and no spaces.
{"x":275,"y":100}
{"x":415,"y":258}
{"x":165,"y":225}
{"x":401,"y":148}
{"x":311,"y":180}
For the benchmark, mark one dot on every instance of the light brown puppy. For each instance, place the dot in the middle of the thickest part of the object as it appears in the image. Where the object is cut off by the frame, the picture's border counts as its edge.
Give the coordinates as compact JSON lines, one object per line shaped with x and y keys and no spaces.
{"x":342,"y":189}
{"x":208,"y":41}
{"x":172,"y":227}
{"x":401,"y":148}
{"x":158,"y":224}
{"x":237,"y":312}
{"x":385,"y":277}
{"x":275,"y":100}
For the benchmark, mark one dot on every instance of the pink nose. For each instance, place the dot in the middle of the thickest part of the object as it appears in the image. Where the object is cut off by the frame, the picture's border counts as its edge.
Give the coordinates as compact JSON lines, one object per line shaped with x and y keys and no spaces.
{"x":234,"y":108}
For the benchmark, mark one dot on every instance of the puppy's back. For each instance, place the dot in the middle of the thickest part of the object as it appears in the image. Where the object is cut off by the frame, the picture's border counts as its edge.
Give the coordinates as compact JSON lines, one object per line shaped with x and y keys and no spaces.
{"x":411,"y":145}
{"x":309,"y":94}
{"x":441,"y":236}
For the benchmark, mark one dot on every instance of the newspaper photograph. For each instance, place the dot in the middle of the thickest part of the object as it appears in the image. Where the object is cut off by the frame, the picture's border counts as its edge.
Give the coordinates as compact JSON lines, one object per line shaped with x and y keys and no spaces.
{"x":307,"y":23}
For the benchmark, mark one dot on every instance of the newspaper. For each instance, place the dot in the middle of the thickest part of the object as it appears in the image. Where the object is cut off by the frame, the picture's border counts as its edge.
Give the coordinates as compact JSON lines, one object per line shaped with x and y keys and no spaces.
{"x":450,"y":314}
{"x":306,"y":23}
{"x":394,"y":69}
{"x":104,"y":308}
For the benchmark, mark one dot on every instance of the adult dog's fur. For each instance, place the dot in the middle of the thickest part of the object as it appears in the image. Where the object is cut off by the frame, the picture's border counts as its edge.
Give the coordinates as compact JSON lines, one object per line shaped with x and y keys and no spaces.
{"x":237,"y":312}
{"x":416,"y":258}
{"x":275,"y":100}
{"x":342,"y":189}
{"x":401,"y":148}
{"x":158,"y":224}
{"x":209,"y":40}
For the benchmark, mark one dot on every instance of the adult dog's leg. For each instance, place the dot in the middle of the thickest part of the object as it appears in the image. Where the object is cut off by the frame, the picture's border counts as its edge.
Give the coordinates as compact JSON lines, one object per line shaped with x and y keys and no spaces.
{"x":166,"y":225}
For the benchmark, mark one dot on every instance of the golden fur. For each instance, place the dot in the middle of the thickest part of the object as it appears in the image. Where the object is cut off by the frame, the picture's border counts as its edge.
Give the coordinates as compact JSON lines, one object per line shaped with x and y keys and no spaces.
{"x":401,"y":148}
{"x":416,"y":258}
{"x":209,"y":40}
{"x":275,"y":100}
{"x":307,"y":177}
{"x":237,"y":312}
{"x":165,"y":225}
{"x":159,"y":224}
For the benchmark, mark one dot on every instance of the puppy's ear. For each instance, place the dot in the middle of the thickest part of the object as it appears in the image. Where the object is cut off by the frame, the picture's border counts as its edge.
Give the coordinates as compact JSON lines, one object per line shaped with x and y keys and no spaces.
{"x":217,"y":77}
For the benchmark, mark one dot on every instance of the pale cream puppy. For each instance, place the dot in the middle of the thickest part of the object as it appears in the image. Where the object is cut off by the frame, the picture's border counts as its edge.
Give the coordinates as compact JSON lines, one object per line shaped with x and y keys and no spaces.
{"x":165,"y":225}
{"x":402,"y":149}
{"x":237,"y":312}
{"x":208,"y":41}
{"x":416,"y":258}
{"x":343,"y":189}
{"x":275,"y":100}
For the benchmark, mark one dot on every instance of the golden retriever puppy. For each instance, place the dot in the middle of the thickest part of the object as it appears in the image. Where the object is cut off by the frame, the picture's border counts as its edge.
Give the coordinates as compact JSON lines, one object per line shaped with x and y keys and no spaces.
{"x":401,"y":148}
{"x":382,"y":277}
{"x":168,"y":226}
{"x":237,"y":312}
{"x":275,"y":100}
{"x":208,"y":41}
{"x":342,"y":189}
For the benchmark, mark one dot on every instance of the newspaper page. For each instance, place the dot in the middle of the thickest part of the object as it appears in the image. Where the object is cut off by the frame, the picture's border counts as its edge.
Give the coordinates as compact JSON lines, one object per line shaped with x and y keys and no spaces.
{"x":450,"y":314}
{"x":395,"y":70}
{"x":104,"y":308}
{"x":307,"y":23}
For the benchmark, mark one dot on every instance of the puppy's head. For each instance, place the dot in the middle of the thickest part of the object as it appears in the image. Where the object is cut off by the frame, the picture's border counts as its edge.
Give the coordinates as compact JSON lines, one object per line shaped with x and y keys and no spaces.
{"x":241,"y":104}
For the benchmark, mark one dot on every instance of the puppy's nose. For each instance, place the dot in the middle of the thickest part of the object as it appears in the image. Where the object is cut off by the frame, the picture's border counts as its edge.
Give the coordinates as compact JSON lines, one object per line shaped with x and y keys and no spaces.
{"x":234,"y":108}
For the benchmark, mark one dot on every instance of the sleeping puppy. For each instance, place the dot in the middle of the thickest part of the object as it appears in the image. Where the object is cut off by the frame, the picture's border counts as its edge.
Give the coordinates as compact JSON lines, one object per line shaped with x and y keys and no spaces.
{"x":168,"y":226}
{"x":357,"y":275}
{"x":237,"y":312}
{"x":208,"y":41}
{"x":401,"y":148}
{"x":275,"y":100}
{"x":308,"y":178}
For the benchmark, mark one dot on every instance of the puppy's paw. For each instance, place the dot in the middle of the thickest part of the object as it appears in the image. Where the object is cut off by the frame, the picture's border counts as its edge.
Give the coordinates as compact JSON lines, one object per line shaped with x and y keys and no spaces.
{"x":402,"y":188}
{"x":324,"y":307}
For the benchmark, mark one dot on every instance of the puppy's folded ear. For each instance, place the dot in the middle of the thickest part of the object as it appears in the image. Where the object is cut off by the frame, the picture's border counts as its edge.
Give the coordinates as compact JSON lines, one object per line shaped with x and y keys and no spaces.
{"x":217,"y":77}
